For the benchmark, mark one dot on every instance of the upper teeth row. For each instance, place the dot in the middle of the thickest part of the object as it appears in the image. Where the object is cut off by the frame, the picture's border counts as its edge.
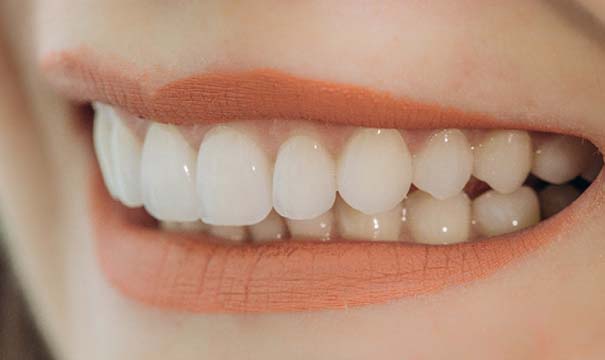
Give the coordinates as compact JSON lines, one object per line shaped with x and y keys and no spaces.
{"x":233,"y":180}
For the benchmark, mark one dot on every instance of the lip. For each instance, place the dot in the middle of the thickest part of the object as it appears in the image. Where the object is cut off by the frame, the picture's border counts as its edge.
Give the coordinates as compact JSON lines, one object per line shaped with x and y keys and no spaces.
{"x":195,"y":274}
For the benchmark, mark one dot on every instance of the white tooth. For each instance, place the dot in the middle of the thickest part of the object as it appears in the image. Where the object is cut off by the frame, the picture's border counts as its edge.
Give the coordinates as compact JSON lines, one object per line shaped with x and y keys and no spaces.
{"x":168,"y":175}
{"x":438,"y":222}
{"x":444,"y":164}
{"x":355,"y":225}
{"x":273,"y":227}
{"x":304,"y":180}
{"x":234,"y":181}
{"x":594,"y":168}
{"x":233,"y":233}
{"x":319,"y":228}
{"x":497,"y":214}
{"x":560,"y":158}
{"x":189,"y":226}
{"x":503,"y":159}
{"x":555,"y":198}
{"x":103,"y":125}
{"x":374,"y":170}
{"x":126,"y":161}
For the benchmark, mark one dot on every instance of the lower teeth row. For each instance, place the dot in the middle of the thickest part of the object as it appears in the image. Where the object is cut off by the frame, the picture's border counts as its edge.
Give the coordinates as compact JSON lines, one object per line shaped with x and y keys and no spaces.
{"x":358,"y":189}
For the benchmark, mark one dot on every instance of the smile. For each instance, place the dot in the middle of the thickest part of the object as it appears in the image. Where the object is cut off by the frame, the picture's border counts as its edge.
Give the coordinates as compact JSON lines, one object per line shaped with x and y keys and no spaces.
{"x":259,"y":191}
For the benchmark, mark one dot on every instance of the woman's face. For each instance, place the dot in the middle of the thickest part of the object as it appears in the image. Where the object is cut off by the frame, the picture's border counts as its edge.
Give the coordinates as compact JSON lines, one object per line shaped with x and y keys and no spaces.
{"x":177,"y":79}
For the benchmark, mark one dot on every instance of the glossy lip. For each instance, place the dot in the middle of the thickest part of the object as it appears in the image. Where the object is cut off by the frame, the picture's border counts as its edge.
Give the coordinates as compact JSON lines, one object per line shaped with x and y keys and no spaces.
{"x":195,"y":274}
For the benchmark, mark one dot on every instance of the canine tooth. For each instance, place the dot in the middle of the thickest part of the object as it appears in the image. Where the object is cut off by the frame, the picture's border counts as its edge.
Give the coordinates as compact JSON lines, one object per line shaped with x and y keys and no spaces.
{"x":374,"y":170}
{"x":355,"y":225}
{"x":444,"y":164}
{"x":168,"y":175}
{"x":102,"y":129}
{"x":555,"y":198}
{"x":561,"y":158}
{"x":189,"y":226}
{"x":126,"y":161}
{"x":273,"y":227}
{"x":304,"y":180}
{"x":234,"y":178}
{"x":232,"y":233}
{"x":503,"y":159}
{"x":318,"y":228}
{"x":434,"y":221}
{"x":594,"y":168}
{"x":497,"y":214}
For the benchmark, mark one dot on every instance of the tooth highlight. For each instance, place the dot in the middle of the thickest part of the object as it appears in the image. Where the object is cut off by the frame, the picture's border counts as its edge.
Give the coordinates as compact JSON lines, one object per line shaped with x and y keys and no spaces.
{"x":355,"y":225}
{"x":102,"y":130}
{"x":304,"y":179}
{"x":234,"y":181}
{"x":434,"y":221}
{"x":168,"y":175}
{"x":126,"y":161}
{"x":560,"y":158}
{"x":503,"y":159}
{"x":272,"y":228}
{"x":555,"y":198}
{"x":319,"y":228}
{"x":496,"y":214}
{"x":374,"y":170}
{"x":444,"y":165}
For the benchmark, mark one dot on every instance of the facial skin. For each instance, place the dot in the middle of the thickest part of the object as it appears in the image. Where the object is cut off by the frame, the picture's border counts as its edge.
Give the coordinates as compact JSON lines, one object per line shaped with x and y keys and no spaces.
{"x":523,"y":60}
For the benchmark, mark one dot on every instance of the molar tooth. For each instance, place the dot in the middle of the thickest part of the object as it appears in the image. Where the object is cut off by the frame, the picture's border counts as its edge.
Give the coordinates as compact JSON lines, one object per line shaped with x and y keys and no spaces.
{"x":497,"y":214}
{"x":355,"y":225}
{"x":126,"y":161}
{"x":444,"y":165}
{"x":561,"y":158}
{"x":374,"y":170}
{"x":555,"y":198}
{"x":438,"y":222}
{"x":503,"y":159}
{"x":188,"y":226}
{"x":272,"y":228}
{"x":304,"y":180}
{"x":233,"y":233}
{"x":168,"y":175}
{"x":319,"y":228}
{"x":102,"y":130}
{"x":234,"y":178}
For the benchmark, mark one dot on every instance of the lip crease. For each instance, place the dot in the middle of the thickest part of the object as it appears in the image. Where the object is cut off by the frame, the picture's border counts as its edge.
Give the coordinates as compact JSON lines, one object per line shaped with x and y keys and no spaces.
{"x":193,"y":273}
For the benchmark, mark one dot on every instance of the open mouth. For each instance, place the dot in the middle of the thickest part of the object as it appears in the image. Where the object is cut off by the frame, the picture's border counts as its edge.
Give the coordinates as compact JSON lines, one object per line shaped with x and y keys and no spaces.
{"x":310,"y":195}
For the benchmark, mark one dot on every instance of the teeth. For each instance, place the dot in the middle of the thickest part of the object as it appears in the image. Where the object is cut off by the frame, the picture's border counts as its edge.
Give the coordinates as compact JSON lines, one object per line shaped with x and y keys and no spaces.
{"x":503,"y":159}
{"x":433,"y":221}
{"x":355,"y":225}
{"x":232,"y":233}
{"x":497,"y":214}
{"x":168,"y":175}
{"x":444,"y":165}
{"x":556,"y":197}
{"x":126,"y":161}
{"x":374,"y":170}
{"x":320,"y":228}
{"x":103,"y":125}
{"x":273,"y":227}
{"x":304,"y":181}
{"x":189,"y":226}
{"x":234,"y":181}
{"x":560,"y":159}
{"x":594,"y":168}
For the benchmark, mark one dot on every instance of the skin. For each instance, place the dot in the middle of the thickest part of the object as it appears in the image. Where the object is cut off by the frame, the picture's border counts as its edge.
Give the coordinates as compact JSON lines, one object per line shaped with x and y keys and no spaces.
{"x":518,"y":59}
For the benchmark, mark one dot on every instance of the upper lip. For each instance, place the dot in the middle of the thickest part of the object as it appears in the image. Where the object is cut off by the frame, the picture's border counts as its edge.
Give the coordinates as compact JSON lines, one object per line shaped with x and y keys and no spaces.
{"x":178,"y":272}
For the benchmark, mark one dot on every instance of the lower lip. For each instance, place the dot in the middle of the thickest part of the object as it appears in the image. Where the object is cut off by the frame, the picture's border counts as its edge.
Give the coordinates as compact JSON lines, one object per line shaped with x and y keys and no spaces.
{"x":194,"y":274}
